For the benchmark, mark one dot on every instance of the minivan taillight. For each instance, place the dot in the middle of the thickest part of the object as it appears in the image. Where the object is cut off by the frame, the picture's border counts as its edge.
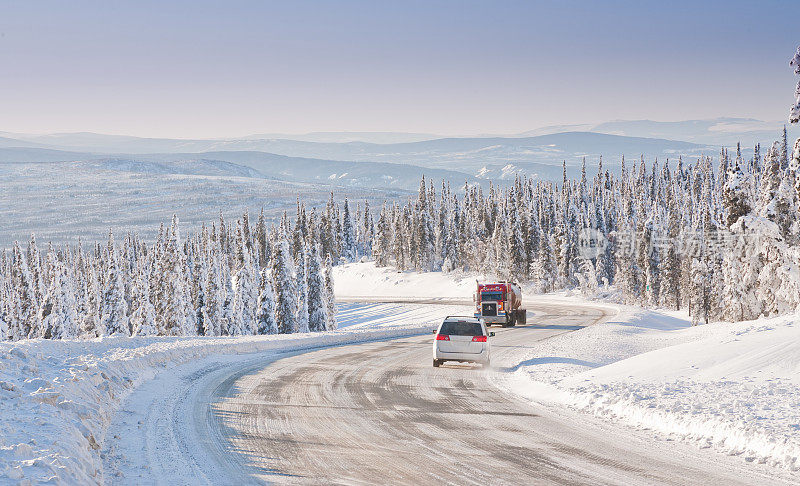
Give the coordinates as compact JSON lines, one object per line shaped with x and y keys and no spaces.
{"x":442,"y":337}
{"x":479,"y":339}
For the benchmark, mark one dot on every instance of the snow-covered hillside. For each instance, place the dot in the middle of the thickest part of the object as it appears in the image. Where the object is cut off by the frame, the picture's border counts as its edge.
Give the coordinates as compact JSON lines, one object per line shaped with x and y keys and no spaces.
{"x":61,"y":202}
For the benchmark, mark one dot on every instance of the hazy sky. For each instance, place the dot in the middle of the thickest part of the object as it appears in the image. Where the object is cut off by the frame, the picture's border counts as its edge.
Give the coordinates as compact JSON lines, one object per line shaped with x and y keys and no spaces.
{"x":228,"y":68}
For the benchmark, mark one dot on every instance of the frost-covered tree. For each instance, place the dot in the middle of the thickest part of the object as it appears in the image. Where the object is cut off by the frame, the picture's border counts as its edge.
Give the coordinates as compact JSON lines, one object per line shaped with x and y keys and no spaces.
{"x":91,"y":325}
{"x":736,"y":193}
{"x":794,"y":111}
{"x":348,"y":238}
{"x":245,"y":290}
{"x":367,"y":231}
{"x":329,"y":296}
{"x":794,"y":116}
{"x":143,"y":317}
{"x":174,"y":316}
{"x":542,"y":269}
{"x":114,"y":306}
{"x":283,"y":278}
{"x":302,"y":277}
{"x":213,"y":308}
{"x":57,"y":313}
{"x":317,"y":305}
{"x":265,"y":315}
{"x":5,"y":313}
{"x":381,"y":247}
{"x":28,"y":304}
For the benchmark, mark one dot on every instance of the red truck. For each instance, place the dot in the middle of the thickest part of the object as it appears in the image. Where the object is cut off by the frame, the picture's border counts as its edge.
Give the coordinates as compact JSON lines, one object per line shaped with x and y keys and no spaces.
{"x":499,"y":303}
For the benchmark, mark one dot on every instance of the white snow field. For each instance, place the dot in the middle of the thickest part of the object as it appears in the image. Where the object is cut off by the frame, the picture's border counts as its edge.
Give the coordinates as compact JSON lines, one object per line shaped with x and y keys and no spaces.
{"x":365,"y":281}
{"x":58,"y":397}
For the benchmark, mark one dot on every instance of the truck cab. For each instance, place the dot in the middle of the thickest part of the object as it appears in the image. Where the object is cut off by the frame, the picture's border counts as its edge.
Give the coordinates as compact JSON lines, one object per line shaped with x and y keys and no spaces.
{"x":498,"y":303}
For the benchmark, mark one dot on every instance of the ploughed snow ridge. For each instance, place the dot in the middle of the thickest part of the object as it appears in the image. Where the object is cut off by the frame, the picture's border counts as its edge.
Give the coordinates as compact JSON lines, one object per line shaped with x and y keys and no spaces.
{"x":57,"y":397}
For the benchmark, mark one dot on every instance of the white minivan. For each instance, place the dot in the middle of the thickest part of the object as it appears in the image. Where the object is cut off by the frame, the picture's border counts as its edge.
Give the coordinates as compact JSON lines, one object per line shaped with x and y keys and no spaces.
{"x":462,"y":339}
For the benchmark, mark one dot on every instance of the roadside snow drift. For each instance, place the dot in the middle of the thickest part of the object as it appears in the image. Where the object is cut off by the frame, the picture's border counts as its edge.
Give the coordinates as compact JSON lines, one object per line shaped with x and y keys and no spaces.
{"x":366,"y":281}
{"x":732,"y":387}
{"x":57,"y":397}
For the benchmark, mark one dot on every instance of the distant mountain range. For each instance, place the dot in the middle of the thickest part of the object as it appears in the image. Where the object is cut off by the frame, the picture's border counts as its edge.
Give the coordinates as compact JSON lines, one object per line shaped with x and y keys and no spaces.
{"x":397,"y":160}
{"x":715,"y":132}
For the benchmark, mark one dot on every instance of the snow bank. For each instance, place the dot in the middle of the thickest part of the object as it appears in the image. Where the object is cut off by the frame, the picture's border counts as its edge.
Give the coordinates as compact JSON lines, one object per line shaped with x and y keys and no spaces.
{"x":57,"y":397}
{"x":366,"y":281}
{"x":353,"y":315}
{"x":732,"y":387}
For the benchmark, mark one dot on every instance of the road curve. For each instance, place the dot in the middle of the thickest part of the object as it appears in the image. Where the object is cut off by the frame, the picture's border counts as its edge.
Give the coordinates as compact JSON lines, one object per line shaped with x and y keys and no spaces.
{"x":380,"y":413}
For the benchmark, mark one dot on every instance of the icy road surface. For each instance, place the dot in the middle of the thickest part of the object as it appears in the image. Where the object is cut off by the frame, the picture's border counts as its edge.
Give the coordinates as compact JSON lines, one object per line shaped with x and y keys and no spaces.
{"x":380,"y":413}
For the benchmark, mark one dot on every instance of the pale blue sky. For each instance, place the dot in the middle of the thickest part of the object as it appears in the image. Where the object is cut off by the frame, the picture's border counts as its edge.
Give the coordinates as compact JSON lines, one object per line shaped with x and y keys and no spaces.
{"x":204,"y":69}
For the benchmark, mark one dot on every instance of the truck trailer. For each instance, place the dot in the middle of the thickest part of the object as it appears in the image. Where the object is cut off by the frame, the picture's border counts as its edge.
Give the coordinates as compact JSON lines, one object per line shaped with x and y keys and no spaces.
{"x":499,"y":303}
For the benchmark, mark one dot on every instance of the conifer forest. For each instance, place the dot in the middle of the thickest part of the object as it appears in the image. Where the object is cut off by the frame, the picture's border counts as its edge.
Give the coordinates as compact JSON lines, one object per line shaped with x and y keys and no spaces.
{"x":719,"y":237}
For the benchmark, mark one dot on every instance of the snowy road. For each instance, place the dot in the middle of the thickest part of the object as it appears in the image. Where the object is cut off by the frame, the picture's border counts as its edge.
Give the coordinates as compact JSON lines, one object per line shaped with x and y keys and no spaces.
{"x":380,"y":413}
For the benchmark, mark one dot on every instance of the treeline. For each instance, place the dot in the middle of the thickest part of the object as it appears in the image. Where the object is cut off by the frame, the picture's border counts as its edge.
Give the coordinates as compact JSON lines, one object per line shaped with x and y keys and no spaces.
{"x":722,"y":243}
{"x":224,"y":280}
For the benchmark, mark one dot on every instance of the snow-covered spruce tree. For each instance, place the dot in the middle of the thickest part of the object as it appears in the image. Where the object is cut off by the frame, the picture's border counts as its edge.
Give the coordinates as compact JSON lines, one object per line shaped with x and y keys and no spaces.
{"x":143,"y":316}
{"x":23,"y":282}
{"x":794,"y":117}
{"x":300,"y":231}
{"x":245,"y":290}
{"x":739,"y":276}
{"x":650,"y":263}
{"x":198,"y":278}
{"x":700,"y":295}
{"x":317,"y":304}
{"x":403,"y":238}
{"x":515,"y":244}
{"x":173,"y":309}
{"x":329,"y":296}
{"x":114,"y":306}
{"x":302,"y":289}
{"x":542,"y":269}
{"x":13,"y":314}
{"x":37,"y":272}
{"x":57,"y":313}
{"x":91,"y":325}
{"x":283,"y":278}
{"x":671,"y":288}
{"x":215,"y":293}
{"x":5,"y":312}
{"x":735,"y":193}
{"x":381,"y":247}
{"x":367,"y":231}
{"x":328,"y":235}
{"x":348,"y":238}
{"x":423,"y":235}
{"x":261,"y":241}
{"x":265,"y":315}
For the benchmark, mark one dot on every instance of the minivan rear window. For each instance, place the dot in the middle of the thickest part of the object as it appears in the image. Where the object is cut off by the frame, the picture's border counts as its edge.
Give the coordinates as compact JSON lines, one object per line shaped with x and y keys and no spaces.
{"x":461,"y":328}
